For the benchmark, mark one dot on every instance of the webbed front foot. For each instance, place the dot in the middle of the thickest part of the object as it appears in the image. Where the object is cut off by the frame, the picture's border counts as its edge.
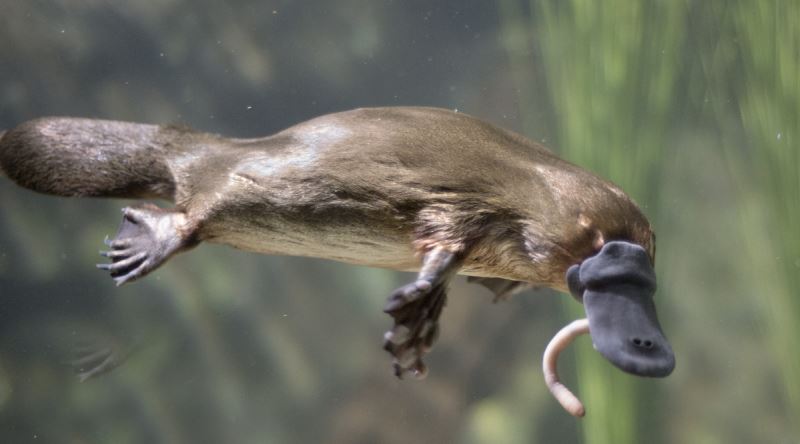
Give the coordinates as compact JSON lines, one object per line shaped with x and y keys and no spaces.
{"x":415,"y":308}
{"x":147,"y":237}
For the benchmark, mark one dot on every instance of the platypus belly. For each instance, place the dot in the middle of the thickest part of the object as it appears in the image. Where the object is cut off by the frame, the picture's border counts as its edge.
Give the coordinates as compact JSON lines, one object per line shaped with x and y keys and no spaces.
{"x":284,"y":203}
{"x":339,"y":229}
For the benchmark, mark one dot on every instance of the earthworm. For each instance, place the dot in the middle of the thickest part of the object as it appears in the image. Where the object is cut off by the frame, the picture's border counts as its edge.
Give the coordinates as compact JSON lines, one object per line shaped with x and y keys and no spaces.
{"x":560,"y":341}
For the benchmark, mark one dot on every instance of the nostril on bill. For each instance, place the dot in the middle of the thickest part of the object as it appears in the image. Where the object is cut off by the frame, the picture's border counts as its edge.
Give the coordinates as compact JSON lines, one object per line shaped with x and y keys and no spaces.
{"x":646,"y":344}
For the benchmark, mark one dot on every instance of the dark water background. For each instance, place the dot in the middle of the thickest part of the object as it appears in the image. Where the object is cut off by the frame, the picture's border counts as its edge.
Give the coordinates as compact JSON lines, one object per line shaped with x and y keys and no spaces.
{"x":692,"y":106}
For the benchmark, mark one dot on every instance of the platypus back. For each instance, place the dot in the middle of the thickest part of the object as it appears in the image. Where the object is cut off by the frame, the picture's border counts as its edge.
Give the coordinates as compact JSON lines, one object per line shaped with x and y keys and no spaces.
{"x":85,"y":157}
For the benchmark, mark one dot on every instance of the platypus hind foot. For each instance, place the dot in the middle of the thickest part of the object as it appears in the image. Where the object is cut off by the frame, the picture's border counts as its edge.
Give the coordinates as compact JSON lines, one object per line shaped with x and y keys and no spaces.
{"x":147,"y":237}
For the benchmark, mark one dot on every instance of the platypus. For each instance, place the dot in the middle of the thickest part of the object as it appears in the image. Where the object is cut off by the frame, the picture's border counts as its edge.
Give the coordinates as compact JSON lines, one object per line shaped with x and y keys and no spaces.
{"x":403,"y":188}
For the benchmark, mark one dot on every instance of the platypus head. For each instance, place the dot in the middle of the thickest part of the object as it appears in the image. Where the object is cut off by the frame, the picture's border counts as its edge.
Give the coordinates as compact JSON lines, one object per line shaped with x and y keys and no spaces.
{"x":616,"y":286}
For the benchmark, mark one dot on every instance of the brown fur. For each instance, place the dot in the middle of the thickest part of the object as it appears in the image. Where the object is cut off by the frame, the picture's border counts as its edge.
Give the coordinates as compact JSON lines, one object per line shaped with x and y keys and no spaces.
{"x":369,"y":186}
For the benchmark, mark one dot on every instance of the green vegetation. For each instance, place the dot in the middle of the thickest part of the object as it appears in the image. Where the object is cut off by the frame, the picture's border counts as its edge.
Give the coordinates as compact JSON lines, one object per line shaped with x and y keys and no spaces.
{"x":693,"y":107}
{"x":767,"y":62}
{"x":613,"y":71}
{"x":611,"y":68}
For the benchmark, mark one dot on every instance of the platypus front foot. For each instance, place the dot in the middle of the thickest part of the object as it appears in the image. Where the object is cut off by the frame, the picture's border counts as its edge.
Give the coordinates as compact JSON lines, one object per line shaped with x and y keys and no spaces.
{"x":147,"y":237}
{"x":415,"y":308}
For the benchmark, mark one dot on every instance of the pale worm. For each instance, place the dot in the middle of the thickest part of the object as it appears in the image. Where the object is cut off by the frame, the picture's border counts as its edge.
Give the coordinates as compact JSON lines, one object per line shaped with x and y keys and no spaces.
{"x":560,"y":341}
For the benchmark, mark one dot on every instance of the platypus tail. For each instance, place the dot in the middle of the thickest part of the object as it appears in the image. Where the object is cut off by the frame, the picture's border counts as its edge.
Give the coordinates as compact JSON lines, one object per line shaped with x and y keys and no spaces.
{"x":87,"y":157}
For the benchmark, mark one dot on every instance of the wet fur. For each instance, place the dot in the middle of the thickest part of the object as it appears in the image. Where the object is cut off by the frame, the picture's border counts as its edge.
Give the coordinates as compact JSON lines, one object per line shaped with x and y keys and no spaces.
{"x":373,"y":186}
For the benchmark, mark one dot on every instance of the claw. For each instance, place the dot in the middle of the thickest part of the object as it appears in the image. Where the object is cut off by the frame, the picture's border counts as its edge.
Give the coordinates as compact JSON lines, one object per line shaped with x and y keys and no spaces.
{"x":121,"y":280}
{"x":120,"y":243}
{"x":129,"y":262}
{"x":135,"y":274}
{"x":147,"y":236}
{"x":116,"y":254}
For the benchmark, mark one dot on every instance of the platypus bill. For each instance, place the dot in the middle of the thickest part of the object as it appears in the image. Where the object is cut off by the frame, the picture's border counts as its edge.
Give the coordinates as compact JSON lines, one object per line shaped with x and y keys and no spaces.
{"x":411,"y":189}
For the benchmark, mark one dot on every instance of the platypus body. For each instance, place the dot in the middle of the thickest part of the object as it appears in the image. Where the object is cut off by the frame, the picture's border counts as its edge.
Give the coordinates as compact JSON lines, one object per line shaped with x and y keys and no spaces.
{"x":411,"y":189}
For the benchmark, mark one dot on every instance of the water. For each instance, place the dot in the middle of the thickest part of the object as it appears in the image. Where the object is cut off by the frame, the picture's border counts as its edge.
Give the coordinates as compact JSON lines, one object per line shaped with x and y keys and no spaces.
{"x":692,"y":107}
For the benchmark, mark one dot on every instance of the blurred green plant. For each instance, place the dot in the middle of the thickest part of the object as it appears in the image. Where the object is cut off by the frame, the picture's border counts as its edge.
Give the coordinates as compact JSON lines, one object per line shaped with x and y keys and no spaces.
{"x":758,"y":53}
{"x":612,"y":70}
{"x":249,"y":348}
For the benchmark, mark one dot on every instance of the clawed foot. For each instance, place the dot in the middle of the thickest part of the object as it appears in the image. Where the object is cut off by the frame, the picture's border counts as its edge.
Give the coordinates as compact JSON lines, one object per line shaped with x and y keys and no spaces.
{"x":147,"y":237}
{"x":415,"y":308}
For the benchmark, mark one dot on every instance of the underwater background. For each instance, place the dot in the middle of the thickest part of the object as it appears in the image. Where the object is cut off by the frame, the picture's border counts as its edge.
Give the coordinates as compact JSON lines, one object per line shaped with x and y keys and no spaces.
{"x":693,"y":107}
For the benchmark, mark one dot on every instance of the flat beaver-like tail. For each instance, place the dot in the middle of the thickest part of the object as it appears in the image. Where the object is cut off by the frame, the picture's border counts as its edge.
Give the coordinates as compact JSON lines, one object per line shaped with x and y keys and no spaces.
{"x":87,"y":157}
